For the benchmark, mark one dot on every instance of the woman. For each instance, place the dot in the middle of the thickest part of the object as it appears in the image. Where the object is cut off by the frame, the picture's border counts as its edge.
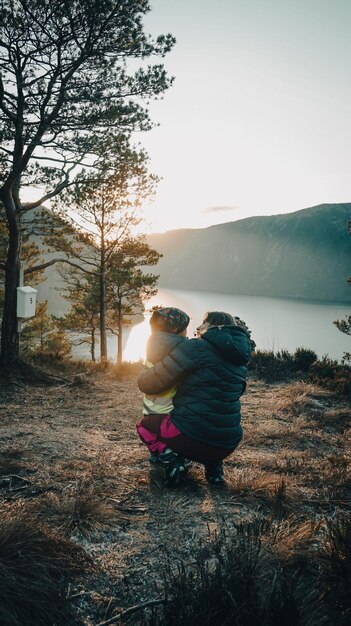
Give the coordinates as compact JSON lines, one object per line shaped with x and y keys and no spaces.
{"x":210,"y":374}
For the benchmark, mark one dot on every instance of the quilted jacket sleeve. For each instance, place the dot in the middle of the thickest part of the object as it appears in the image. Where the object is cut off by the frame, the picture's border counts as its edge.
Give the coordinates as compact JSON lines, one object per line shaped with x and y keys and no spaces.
{"x":170,"y":370}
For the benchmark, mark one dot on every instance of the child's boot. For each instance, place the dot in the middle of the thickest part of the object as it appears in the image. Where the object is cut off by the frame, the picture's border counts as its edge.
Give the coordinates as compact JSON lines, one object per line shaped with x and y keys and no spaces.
{"x":174,"y":465}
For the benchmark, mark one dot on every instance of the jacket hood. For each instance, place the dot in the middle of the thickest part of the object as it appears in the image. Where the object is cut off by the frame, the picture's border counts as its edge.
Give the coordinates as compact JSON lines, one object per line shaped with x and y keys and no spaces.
{"x":160,"y":344}
{"x":232,"y":342}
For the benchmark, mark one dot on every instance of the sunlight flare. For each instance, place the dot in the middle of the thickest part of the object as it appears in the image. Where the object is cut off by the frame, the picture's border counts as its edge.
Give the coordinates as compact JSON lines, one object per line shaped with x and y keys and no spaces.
{"x":136,"y":342}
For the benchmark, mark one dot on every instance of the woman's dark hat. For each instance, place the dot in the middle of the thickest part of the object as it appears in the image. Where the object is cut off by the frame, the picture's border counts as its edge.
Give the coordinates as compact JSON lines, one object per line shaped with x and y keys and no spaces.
{"x":219,"y":318}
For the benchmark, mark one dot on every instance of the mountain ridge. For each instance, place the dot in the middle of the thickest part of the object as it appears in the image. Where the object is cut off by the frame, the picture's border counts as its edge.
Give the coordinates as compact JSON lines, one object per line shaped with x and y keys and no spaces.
{"x":305,"y":254}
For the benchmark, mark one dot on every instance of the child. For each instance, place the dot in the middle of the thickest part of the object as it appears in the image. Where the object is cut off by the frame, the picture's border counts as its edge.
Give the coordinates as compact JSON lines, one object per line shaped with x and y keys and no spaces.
{"x":168,"y":331}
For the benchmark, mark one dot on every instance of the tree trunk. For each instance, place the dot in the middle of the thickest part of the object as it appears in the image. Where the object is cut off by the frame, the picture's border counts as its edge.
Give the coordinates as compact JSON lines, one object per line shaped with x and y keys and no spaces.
{"x":120,"y":336}
{"x":93,"y":345}
{"x":9,"y":332}
{"x":103,"y":344}
{"x":42,"y":339}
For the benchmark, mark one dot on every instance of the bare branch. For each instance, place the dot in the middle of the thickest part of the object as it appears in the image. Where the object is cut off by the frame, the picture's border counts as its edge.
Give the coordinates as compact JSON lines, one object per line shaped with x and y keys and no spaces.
{"x":31,"y":270}
{"x":3,"y":107}
{"x":57,"y":190}
{"x":132,"y":609}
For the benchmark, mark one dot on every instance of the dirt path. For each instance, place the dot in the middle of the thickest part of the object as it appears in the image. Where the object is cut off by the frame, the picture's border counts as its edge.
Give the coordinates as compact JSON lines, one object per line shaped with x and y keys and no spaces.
{"x":70,"y":454}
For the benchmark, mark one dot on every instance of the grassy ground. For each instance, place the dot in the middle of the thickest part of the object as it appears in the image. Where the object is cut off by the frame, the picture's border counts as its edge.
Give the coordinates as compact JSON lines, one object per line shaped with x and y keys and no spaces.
{"x":72,"y":466}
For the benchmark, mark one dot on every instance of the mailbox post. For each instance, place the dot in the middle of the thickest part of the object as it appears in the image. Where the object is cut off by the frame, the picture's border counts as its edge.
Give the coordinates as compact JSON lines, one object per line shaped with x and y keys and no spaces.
{"x":26,"y":299}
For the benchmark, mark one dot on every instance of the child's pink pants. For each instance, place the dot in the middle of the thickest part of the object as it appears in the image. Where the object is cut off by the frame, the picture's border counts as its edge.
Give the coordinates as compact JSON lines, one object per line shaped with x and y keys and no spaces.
{"x":158,"y":432}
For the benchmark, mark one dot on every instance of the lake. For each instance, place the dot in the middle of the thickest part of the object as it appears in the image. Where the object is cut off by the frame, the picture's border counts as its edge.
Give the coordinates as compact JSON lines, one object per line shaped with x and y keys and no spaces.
{"x":275,"y":323}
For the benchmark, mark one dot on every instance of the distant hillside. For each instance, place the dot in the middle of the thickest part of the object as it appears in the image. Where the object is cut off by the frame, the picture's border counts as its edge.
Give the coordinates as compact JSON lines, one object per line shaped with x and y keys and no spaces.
{"x":306,"y":254}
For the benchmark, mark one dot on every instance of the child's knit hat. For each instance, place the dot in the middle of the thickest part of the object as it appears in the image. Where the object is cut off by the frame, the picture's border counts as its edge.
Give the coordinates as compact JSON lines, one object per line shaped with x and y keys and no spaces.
{"x":169,"y":319}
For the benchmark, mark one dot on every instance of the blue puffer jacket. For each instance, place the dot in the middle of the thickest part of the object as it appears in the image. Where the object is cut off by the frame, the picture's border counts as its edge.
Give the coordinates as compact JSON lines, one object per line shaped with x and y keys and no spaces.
{"x":211,"y":376}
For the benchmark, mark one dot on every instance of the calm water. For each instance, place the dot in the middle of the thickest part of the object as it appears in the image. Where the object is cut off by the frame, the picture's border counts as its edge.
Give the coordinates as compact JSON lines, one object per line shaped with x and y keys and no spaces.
{"x":275,"y":323}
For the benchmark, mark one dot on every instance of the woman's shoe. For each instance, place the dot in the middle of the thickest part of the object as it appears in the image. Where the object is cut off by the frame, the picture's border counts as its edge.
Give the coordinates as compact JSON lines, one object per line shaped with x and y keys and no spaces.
{"x":215,"y":473}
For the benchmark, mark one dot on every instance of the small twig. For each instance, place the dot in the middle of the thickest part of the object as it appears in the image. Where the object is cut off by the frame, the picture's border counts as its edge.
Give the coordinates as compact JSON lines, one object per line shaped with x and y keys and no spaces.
{"x":128,"y":509}
{"x":79,"y":594}
{"x":15,"y":489}
{"x":136,"y":509}
{"x":132,"y":609}
{"x":108,"y":606}
{"x":17,"y":383}
{"x":9,"y":476}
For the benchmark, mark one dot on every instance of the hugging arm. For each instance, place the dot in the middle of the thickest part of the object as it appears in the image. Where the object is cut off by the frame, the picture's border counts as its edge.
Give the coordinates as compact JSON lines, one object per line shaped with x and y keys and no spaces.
{"x":167,"y":372}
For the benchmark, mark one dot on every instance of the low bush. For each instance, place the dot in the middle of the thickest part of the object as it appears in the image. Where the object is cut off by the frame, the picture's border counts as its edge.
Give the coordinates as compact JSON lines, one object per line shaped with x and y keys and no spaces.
{"x":271,"y":366}
{"x":335,"y":572}
{"x":329,"y":374}
{"x":326,"y":372}
{"x":129,"y":368}
{"x":281,"y":365}
{"x":304,"y":359}
{"x":324,"y":368}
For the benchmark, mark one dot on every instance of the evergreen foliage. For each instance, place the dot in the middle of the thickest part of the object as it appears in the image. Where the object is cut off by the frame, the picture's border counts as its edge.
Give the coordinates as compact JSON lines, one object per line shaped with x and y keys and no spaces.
{"x":31,"y":256}
{"x":283,"y":365}
{"x":129,"y":286}
{"x":68,"y":86}
{"x":273,"y":366}
{"x":41,"y":336}
{"x":83,"y":317}
{"x":101,"y":242}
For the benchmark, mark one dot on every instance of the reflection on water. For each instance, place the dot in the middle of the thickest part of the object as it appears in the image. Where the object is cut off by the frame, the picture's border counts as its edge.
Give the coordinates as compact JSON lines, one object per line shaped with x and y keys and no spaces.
{"x":276,"y":323}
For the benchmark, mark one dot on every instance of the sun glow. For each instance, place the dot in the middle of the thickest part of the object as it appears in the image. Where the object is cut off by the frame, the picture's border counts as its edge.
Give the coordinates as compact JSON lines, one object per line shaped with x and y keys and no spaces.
{"x":136,"y":342}
{"x":135,"y":345}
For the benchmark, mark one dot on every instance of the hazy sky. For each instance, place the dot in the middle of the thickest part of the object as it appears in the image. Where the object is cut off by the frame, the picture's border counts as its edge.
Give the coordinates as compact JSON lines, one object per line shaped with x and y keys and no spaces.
{"x":258,"y":120}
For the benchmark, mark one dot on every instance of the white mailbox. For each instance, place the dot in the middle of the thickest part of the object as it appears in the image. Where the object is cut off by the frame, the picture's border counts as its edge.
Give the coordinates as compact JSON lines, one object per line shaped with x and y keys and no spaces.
{"x":26,"y":298}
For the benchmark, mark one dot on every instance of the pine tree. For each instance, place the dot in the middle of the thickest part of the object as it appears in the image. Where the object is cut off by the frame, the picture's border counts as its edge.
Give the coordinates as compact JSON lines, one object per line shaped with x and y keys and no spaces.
{"x":104,"y":213}
{"x":67,"y":84}
{"x":82,"y":291}
{"x":42,"y":337}
{"x":129,"y":286}
{"x":31,"y":257}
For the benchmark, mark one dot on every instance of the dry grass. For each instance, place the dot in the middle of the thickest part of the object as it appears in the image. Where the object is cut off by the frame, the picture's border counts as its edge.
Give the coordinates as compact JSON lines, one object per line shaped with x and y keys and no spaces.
{"x":333,"y":420}
{"x":81,"y":512}
{"x":296,"y":397}
{"x":90,"y":480}
{"x":244,"y":577}
{"x":11,"y":460}
{"x":34,"y":568}
{"x":277,"y":494}
{"x":262,"y":572}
